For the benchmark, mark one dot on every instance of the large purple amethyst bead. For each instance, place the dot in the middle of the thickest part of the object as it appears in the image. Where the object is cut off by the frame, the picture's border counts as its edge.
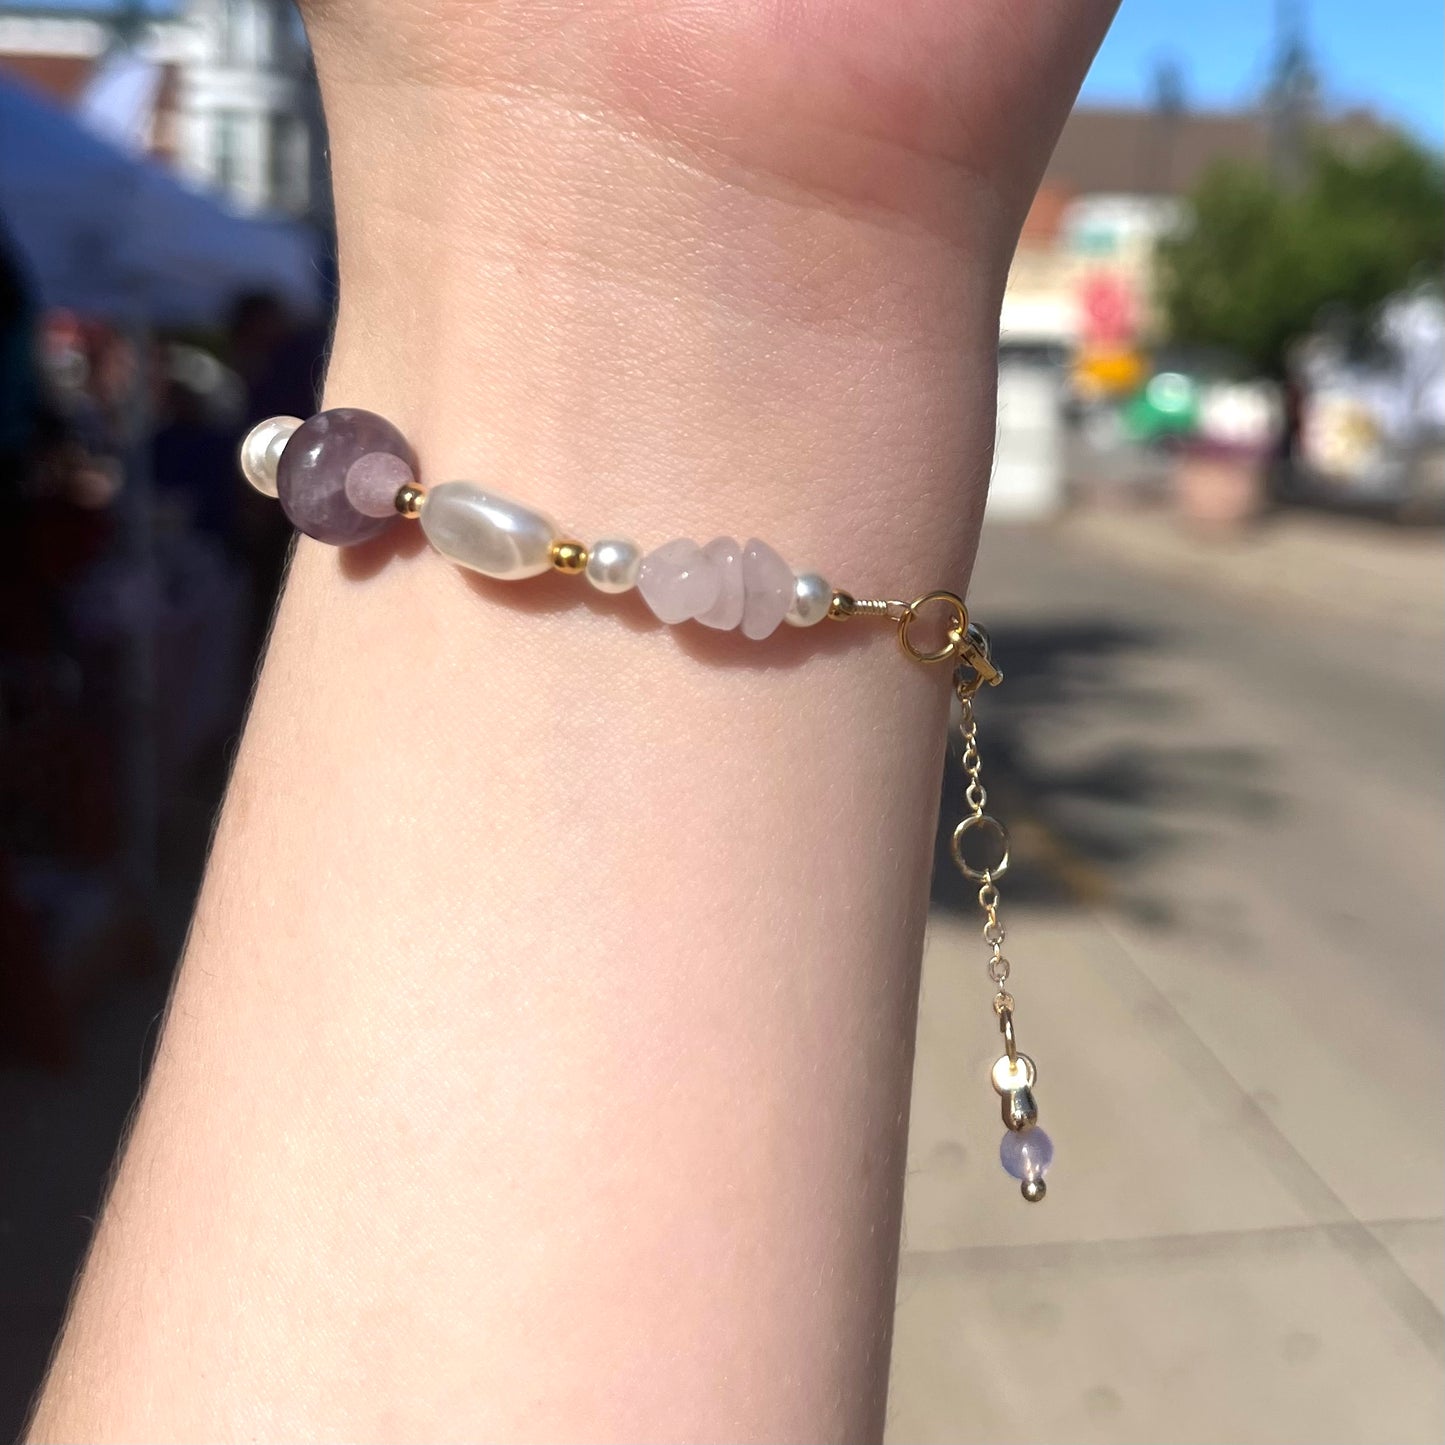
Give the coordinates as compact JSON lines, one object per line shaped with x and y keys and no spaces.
{"x":311,"y":477}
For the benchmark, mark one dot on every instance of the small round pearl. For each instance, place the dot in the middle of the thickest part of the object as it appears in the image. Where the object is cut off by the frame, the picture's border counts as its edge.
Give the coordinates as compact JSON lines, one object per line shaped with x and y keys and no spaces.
{"x":812,"y":596}
{"x":612,"y":565}
{"x":262,"y":448}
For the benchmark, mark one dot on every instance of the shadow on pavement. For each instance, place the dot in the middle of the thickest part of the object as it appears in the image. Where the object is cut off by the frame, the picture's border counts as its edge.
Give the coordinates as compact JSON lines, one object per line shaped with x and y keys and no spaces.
{"x":1072,"y":771}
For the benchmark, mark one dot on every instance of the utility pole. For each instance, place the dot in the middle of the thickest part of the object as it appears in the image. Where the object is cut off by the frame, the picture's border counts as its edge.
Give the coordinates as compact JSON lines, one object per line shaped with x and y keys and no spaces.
{"x":1292,"y":96}
{"x":1162,"y":133}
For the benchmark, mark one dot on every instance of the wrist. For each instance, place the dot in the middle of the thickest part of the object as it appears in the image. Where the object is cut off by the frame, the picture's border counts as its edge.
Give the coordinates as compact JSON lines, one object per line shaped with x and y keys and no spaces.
{"x":604,"y":334}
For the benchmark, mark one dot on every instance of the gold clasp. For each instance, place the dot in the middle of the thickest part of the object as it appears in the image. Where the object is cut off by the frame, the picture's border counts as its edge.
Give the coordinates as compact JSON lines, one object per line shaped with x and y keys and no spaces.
{"x":960,"y":641}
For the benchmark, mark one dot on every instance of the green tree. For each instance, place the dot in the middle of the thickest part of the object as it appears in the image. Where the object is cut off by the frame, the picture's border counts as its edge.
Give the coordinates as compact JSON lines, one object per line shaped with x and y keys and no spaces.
{"x":1255,"y":264}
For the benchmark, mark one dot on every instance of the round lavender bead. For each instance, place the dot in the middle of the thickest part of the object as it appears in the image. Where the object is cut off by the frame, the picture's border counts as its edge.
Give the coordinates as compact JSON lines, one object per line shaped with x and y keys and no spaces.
{"x":311,"y":477}
{"x":1027,"y":1154}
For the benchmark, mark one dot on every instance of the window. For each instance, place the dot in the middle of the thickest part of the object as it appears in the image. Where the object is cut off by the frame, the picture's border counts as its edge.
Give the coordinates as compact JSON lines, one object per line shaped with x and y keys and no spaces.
{"x":227,"y":157}
{"x":233,"y":32}
{"x":285,"y":163}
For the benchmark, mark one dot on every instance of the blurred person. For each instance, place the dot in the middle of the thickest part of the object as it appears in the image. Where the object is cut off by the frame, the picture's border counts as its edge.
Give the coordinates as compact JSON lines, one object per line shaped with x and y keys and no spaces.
{"x":19,"y":387}
{"x":194,"y":462}
{"x":277,"y":358}
{"x":539,"y":1064}
{"x":279,"y":363}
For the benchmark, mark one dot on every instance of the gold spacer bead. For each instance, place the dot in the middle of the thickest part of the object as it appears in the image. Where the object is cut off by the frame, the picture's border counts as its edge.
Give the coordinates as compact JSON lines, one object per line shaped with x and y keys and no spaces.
{"x":409,"y":500}
{"x":1033,"y":1190}
{"x":843,"y":606}
{"x":569,"y":557}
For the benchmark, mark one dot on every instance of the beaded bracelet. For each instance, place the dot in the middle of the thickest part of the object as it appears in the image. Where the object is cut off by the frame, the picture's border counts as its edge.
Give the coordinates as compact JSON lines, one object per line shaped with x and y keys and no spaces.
{"x":345,"y":475}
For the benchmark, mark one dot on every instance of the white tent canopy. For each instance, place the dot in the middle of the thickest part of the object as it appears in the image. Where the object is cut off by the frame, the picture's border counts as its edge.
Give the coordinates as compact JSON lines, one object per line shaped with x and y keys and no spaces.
{"x":118,"y":237}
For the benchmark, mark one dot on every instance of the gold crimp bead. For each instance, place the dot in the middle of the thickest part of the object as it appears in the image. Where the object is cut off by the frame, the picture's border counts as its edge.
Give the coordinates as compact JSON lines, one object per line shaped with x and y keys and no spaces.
{"x":569,"y":557}
{"x":409,"y":500}
{"x":843,"y":605}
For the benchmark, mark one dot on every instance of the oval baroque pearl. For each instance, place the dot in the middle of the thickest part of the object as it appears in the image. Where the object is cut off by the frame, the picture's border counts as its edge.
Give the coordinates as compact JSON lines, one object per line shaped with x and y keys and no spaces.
{"x":487,"y":533}
{"x":311,"y":480}
{"x":262,"y":448}
{"x":1026,"y":1155}
{"x":812,"y":597}
{"x":612,"y":564}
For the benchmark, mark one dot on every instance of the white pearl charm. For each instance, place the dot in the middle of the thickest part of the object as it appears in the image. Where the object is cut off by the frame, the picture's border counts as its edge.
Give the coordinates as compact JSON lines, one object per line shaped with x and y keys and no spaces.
{"x":487,"y":533}
{"x":262,"y":448}
{"x":612,"y":564}
{"x":812,"y":597}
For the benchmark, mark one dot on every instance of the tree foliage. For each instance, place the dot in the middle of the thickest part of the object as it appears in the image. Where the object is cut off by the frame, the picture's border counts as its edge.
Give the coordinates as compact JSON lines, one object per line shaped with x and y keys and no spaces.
{"x":1256,"y":265}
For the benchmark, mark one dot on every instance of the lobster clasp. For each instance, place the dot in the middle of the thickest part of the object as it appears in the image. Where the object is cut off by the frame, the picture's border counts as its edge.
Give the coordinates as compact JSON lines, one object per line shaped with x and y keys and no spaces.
{"x":975,"y":651}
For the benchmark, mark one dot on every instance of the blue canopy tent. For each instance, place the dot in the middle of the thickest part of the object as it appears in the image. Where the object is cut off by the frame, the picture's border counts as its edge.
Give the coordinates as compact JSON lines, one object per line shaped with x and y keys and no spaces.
{"x":118,"y":237}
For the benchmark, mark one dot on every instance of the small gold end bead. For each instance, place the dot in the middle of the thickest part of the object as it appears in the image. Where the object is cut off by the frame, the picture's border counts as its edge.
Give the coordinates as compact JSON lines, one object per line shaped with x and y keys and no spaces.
{"x":843,"y":606}
{"x":569,"y":557}
{"x":409,"y":500}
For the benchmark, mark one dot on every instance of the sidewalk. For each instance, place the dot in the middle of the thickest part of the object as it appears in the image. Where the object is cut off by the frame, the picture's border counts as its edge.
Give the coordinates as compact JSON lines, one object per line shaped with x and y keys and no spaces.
{"x":1225,"y":923}
{"x":1188,"y":1278}
{"x":1336,"y":566}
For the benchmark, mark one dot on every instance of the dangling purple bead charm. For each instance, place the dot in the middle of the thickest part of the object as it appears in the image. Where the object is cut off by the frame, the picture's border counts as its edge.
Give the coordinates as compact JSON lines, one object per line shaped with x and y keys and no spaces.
{"x":1026,"y":1151}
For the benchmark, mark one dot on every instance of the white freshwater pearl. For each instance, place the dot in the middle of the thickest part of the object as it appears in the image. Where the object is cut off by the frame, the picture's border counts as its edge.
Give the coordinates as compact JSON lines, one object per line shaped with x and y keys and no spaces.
{"x":612,"y":564}
{"x":812,"y":597}
{"x":262,"y":448}
{"x":490,"y":534}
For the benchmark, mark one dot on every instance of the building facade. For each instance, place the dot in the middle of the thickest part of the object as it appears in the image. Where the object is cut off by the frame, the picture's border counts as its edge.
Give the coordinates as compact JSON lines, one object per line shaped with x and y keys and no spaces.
{"x":235,"y":102}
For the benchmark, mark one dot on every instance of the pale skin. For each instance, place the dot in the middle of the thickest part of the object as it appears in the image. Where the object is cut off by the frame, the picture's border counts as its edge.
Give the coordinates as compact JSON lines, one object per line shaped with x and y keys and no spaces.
{"x":538,"y":1067}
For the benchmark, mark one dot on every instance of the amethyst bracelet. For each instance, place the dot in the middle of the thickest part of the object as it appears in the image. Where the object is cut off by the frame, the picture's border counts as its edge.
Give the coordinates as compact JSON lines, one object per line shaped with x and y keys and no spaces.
{"x":346,"y":475}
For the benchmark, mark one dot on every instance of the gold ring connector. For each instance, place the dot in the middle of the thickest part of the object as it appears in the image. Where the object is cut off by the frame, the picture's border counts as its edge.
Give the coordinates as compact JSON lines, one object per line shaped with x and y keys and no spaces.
{"x":953,"y":642}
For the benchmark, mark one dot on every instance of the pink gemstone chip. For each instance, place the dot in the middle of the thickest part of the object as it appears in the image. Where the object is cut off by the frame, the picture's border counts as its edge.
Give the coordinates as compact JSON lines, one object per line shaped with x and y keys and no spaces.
{"x":727,"y":556}
{"x":768,"y":586}
{"x":677,"y":581}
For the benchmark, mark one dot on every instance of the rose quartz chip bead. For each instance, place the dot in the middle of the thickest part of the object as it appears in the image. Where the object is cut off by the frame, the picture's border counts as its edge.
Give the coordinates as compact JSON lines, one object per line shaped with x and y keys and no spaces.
{"x":678,"y":581}
{"x":721,"y":585}
{"x":726,"y":611}
{"x":767,"y":588}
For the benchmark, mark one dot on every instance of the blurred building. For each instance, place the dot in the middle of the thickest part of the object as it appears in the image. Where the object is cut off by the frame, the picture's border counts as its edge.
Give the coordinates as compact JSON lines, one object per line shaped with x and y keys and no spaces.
{"x":1082,"y":277}
{"x":232,"y":100}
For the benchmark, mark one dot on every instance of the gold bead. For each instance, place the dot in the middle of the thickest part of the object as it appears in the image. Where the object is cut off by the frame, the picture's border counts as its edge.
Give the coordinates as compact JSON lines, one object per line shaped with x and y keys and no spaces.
{"x":569,"y":556}
{"x":1033,"y":1190}
{"x":409,"y":500}
{"x":843,"y":605}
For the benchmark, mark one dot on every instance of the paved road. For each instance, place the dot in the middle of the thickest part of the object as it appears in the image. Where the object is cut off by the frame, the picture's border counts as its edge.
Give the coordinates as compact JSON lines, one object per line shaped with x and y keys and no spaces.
{"x":1227,"y":959}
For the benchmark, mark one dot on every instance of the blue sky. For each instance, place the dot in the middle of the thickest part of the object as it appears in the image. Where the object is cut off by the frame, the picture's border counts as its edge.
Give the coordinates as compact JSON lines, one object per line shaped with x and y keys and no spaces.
{"x":1386,"y":54}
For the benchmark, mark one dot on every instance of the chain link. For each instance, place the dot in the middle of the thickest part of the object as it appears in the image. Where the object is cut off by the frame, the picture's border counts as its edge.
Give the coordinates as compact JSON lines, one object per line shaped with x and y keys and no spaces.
{"x":976,"y":796}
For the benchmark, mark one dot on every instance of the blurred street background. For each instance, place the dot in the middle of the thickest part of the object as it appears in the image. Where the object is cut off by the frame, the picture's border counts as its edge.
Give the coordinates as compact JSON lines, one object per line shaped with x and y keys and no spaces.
{"x":1212,"y":567}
